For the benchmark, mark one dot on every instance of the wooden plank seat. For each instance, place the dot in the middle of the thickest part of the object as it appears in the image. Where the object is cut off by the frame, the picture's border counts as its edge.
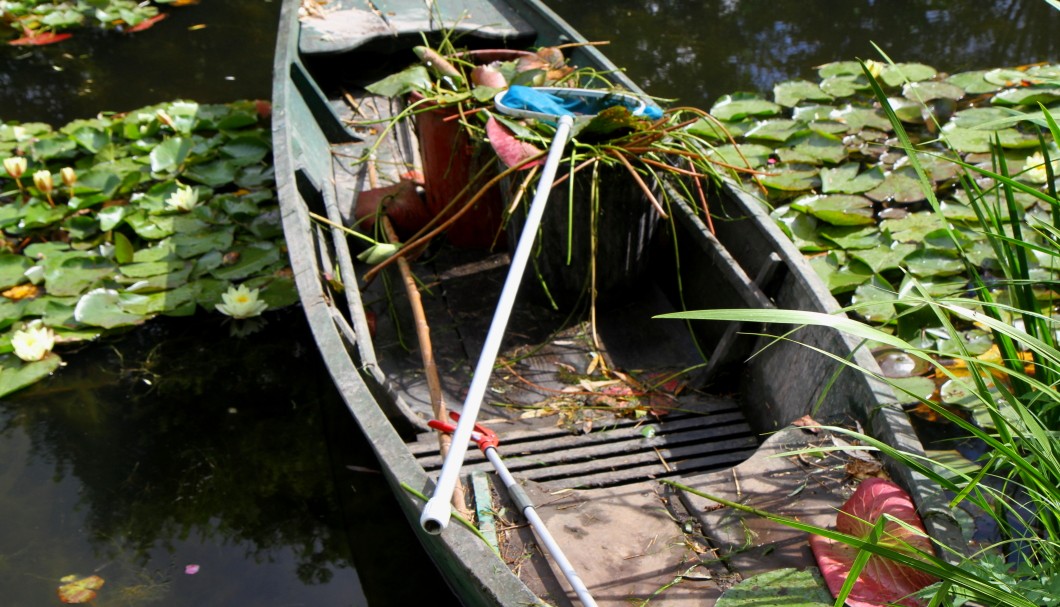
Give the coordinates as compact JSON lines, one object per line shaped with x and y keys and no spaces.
{"x":383,"y":24}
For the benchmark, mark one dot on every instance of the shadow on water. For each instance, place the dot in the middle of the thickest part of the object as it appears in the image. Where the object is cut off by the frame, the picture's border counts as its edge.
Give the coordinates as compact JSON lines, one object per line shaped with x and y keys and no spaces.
{"x":178,"y":445}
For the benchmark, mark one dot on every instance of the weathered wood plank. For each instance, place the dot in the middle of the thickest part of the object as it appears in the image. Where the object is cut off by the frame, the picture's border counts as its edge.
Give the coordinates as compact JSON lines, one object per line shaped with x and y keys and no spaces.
{"x":347,"y":25}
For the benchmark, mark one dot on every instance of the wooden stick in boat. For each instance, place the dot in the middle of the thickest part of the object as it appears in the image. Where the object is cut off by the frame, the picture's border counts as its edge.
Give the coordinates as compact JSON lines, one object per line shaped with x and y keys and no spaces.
{"x":423,"y":336}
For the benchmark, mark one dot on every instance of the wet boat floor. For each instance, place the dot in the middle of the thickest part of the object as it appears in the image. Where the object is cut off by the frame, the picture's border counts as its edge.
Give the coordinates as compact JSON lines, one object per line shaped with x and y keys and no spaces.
{"x":572,"y":411}
{"x":591,"y":431}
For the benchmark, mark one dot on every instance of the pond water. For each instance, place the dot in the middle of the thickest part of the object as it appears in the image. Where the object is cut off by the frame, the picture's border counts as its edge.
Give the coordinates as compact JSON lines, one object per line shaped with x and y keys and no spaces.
{"x":697,"y":50}
{"x":179,"y":446}
{"x":179,"y":464}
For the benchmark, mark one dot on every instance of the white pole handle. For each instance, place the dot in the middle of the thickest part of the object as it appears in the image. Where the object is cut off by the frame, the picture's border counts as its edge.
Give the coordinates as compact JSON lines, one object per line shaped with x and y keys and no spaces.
{"x":435,"y":515}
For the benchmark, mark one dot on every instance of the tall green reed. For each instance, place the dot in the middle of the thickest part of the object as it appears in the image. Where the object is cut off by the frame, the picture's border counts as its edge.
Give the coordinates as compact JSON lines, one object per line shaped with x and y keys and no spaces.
{"x":1017,"y":481}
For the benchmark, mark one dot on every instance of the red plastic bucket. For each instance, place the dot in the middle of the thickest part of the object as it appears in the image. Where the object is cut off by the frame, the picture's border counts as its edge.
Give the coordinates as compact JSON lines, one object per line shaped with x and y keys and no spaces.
{"x":450,"y":161}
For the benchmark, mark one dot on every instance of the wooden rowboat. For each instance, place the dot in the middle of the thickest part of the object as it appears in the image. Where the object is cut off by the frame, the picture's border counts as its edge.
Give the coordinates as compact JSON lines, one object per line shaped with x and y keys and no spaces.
{"x":590,"y":446}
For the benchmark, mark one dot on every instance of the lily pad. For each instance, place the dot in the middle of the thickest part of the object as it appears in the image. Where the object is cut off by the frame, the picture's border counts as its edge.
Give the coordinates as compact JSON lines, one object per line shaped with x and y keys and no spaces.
{"x":169,"y":155}
{"x":840,"y":68}
{"x":790,"y":179}
{"x":900,"y":186}
{"x":778,"y":130}
{"x":12,"y":269}
{"x":791,"y":93}
{"x":980,"y":140}
{"x":249,"y":260}
{"x":974,"y":83}
{"x":401,"y":83}
{"x":214,"y":174}
{"x":916,"y":386}
{"x":803,"y":229}
{"x":742,"y":105}
{"x":788,"y":587}
{"x":1031,"y":95}
{"x":860,"y":118}
{"x":933,"y":263}
{"x":75,"y":274}
{"x":929,"y":91}
{"x":882,"y":580}
{"x":838,"y":274}
{"x":848,"y":179}
{"x":882,"y":259}
{"x":105,"y":308}
{"x":814,"y":148}
{"x":1004,"y":77}
{"x":809,"y":113}
{"x":874,"y":300}
{"x":850,"y":238}
{"x":845,"y":85}
{"x":743,"y":155}
{"x":901,"y":73}
{"x":837,"y":209}
{"x":912,"y":228}
{"x":16,"y":374}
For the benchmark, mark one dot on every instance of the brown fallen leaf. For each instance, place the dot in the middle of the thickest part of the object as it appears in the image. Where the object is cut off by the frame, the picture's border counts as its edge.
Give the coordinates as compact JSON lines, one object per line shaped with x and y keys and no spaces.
{"x":79,"y":590}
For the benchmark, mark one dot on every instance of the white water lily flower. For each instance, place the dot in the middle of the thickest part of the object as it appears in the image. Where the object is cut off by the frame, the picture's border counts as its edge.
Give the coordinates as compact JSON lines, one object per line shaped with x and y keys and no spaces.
{"x":33,"y":342}
{"x":185,"y":198}
{"x":1034,"y":168}
{"x":241,"y":302}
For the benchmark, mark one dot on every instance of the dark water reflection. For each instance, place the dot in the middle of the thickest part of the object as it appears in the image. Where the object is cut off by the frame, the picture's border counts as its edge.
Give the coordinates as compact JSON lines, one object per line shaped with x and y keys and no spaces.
{"x":178,"y":445}
{"x":229,"y":58}
{"x":697,"y":50}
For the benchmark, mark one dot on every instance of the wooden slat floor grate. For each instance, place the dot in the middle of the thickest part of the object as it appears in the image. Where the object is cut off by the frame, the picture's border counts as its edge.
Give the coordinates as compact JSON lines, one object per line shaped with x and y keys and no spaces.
{"x":627,"y":451}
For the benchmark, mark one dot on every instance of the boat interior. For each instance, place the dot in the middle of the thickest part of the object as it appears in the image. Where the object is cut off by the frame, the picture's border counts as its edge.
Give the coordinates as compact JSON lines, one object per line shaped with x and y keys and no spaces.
{"x":594,"y":401}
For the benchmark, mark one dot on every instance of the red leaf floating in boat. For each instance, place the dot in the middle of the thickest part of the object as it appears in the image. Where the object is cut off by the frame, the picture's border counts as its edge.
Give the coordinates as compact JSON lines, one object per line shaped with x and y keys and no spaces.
{"x":512,"y":152}
{"x":37,"y":39}
{"x":401,"y":203}
{"x":882,"y":580}
{"x":145,"y":24}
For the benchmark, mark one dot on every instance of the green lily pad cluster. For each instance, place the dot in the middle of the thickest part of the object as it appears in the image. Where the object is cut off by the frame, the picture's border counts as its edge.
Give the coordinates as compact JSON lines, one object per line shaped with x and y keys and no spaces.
{"x":827,"y":159}
{"x":160,"y":211}
{"x":31,"y":18}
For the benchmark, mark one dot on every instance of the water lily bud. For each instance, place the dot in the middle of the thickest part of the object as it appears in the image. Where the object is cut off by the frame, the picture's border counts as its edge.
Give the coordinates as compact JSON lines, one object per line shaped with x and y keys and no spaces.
{"x":15,"y":166}
{"x":35,"y":274}
{"x":33,"y":342}
{"x":69,"y":176}
{"x":378,"y":253}
{"x":43,"y":180}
